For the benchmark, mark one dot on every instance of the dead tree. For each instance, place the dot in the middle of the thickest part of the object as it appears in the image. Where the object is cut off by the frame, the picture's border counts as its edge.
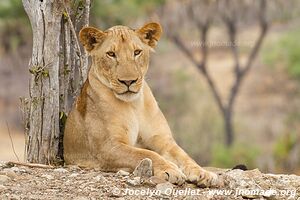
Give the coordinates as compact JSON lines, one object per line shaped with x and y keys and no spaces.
{"x":201,"y":15}
{"x":58,"y":67}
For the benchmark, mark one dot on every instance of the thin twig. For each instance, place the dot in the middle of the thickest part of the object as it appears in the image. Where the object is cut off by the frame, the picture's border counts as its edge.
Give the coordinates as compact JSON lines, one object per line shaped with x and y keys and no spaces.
{"x":201,"y":66}
{"x":36,"y":165}
{"x":11,"y":141}
{"x":255,"y":50}
{"x":178,"y":42}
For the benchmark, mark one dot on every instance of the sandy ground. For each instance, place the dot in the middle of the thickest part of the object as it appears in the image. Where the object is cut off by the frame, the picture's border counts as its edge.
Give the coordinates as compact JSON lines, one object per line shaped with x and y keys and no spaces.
{"x":6,"y":150}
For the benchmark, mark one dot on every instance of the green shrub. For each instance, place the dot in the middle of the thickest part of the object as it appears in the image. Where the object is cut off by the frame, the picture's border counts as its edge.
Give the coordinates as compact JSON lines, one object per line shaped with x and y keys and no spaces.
{"x":283,"y":146}
{"x":285,"y":52}
{"x":107,"y":13}
{"x":225,"y":157}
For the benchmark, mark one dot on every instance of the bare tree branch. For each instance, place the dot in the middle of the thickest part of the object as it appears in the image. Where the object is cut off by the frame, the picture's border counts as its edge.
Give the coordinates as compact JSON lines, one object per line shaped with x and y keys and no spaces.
{"x":231,"y":12}
{"x":201,"y":65}
{"x":241,"y":74}
{"x":34,"y":165}
{"x":178,"y":42}
{"x":264,"y":27}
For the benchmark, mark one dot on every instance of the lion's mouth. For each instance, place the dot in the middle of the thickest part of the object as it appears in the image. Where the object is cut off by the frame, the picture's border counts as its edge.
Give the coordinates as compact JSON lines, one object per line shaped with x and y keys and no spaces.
{"x":127,"y":92}
{"x":128,"y":95}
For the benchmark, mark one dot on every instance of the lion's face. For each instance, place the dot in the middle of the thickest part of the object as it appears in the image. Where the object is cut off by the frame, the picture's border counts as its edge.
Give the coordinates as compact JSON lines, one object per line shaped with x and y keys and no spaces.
{"x":120,"y":56}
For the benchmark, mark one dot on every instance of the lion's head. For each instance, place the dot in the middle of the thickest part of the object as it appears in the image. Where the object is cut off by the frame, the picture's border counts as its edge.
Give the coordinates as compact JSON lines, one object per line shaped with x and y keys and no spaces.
{"x":120,"y":56}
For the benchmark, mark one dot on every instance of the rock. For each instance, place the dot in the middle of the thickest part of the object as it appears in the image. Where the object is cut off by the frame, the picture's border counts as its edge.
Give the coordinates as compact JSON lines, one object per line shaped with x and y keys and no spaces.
{"x":122,"y":173}
{"x":73,"y":175}
{"x":2,"y":188}
{"x":144,"y":169}
{"x":99,"y":178}
{"x":3,"y":164}
{"x":47,"y":176}
{"x":81,"y":198}
{"x":251,"y":196}
{"x":15,"y":169}
{"x":8,"y":172}
{"x":115,"y":192}
{"x":18,"y":169}
{"x":25,"y":170}
{"x":253,"y":173}
{"x":153,"y":181}
{"x":4,"y":179}
{"x":135,"y":181}
{"x":270,"y":194}
{"x":60,"y":170}
{"x":165,"y":188}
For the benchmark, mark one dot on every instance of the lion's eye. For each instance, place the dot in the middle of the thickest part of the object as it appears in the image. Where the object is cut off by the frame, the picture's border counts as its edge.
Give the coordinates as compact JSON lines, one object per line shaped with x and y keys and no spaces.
{"x":111,"y":54}
{"x":137,"y":52}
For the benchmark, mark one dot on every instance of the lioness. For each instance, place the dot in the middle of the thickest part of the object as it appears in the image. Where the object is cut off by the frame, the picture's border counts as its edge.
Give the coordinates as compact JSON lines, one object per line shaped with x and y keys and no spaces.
{"x":115,"y":121}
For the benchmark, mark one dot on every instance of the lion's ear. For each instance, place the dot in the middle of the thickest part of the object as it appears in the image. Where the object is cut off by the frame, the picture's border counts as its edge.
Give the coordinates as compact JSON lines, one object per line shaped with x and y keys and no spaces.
{"x":150,"y":33}
{"x":90,"y":36}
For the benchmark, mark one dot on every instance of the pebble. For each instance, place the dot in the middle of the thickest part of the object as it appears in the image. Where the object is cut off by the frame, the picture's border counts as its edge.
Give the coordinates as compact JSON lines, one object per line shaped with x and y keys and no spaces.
{"x":269,"y":194}
{"x":92,"y":175}
{"x":25,"y":170}
{"x":122,"y":173}
{"x":116,"y":192}
{"x":135,"y":181}
{"x":153,"y":181}
{"x":81,"y":198}
{"x":4,"y":179}
{"x":8,"y":172}
{"x":2,"y":188}
{"x":47,"y":176}
{"x":73,"y":175}
{"x":99,"y":178}
{"x":60,"y":170}
{"x":15,"y":169}
{"x":3,"y":164}
{"x":164,"y":188}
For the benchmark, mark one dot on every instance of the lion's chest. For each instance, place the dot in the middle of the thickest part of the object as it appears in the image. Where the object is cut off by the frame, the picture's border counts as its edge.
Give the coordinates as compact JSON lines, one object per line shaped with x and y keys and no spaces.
{"x":133,"y":131}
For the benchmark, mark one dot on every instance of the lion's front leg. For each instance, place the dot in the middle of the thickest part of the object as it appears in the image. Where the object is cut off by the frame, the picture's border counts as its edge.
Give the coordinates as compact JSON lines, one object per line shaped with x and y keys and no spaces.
{"x":125,"y":156}
{"x":168,"y":149}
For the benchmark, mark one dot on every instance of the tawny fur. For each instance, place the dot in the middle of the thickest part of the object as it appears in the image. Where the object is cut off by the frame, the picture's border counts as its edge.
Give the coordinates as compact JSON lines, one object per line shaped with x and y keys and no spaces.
{"x":111,"y":129}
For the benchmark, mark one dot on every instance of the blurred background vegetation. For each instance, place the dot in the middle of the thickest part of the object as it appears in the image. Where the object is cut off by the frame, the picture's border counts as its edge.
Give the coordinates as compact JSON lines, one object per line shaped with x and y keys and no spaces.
{"x":267,"y":111}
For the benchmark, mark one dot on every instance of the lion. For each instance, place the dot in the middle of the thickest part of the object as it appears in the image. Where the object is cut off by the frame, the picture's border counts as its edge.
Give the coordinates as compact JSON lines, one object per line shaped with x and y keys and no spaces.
{"x":115,"y":121}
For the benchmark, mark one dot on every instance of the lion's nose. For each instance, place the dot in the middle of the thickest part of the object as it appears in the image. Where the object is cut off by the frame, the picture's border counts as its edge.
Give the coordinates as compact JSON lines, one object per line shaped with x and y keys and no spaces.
{"x":127,"y":82}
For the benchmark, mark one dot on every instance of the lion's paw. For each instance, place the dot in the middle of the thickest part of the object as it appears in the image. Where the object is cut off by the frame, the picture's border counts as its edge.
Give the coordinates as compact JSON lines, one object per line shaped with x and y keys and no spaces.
{"x":201,"y":177}
{"x":172,"y":174}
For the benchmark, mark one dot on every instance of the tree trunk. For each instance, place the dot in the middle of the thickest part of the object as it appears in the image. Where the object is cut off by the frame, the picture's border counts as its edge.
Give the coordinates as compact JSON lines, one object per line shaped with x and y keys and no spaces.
{"x":228,"y":127}
{"x":55,"y":81}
